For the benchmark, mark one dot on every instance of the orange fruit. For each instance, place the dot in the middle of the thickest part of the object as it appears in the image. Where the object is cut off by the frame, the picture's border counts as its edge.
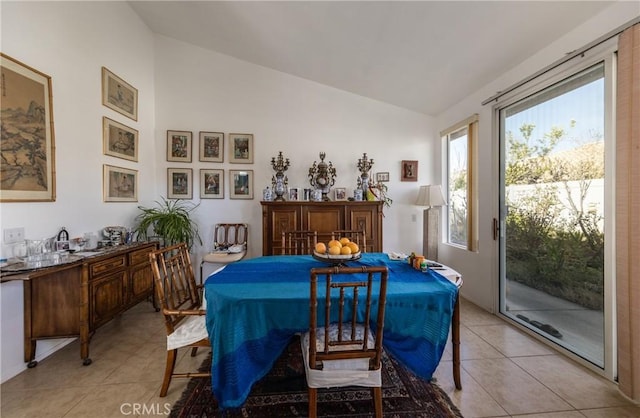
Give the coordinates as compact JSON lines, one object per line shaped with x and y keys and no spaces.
{"x":335,"y":243}
{"x":344,"y":241}
{"x":354,"y":247}
{"x":335,"y":250}
{"x":345,"y":250}
{"x":321,"y":248}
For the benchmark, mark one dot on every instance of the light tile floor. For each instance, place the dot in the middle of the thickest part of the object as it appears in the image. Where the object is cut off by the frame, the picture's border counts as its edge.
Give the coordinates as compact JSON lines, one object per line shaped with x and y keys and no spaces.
{"x":505,"y":373}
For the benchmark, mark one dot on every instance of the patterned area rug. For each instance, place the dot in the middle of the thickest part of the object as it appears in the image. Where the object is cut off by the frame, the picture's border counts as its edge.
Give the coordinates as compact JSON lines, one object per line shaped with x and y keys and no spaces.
{"x":283,"y":393}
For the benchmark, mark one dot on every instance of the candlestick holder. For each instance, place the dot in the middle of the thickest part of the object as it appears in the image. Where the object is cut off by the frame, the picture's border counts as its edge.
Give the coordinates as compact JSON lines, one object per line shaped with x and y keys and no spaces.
{"x":279,"y":181}
{"x":364,"y":166}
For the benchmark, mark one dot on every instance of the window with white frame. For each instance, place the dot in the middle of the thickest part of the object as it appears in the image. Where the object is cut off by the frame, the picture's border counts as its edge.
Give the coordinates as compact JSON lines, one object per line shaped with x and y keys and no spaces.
{"x":460,"y":187}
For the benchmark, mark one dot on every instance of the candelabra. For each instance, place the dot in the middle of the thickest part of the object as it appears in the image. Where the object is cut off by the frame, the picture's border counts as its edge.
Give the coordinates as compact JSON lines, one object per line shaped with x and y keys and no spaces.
{"x":322,"y":176}
{"x":364,"y":165}
{"x":279,"y":180}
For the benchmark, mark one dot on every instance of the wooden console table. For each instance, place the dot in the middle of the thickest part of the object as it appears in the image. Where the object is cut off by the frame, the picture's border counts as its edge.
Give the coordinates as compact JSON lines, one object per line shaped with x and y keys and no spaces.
{"x":76,"y":298}
{"x":322,"y":217}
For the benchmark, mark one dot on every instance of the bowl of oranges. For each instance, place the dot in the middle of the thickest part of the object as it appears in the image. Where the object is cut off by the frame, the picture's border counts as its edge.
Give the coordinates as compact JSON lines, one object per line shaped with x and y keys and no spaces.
{"x":337,"y":251}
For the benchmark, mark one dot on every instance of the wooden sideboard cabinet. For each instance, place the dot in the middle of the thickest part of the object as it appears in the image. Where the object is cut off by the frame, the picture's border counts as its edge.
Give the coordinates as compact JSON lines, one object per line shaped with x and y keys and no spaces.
{"x":322,"y":217}
{"x":75,"y":299}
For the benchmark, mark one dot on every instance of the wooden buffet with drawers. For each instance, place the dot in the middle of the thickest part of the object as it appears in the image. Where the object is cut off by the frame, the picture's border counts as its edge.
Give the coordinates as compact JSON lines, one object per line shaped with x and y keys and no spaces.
{"x":76,"y":298}
{"x":322,"y":217}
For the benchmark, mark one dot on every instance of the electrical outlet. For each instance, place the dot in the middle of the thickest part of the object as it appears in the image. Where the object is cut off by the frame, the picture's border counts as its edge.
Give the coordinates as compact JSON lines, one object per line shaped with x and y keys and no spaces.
{"x":11,"y":235}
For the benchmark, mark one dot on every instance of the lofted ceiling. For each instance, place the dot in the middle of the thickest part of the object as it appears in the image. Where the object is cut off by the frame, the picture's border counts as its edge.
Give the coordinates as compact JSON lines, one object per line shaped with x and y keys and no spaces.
{"x":419,"y":55}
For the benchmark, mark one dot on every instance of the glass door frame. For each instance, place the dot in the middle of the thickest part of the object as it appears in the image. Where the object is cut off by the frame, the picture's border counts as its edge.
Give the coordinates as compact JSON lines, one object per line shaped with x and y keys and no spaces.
{"x":603,"y":53}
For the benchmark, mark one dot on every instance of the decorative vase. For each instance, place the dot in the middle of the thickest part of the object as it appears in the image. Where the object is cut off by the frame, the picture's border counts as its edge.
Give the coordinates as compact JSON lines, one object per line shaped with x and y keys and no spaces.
{"x":279,"y":187}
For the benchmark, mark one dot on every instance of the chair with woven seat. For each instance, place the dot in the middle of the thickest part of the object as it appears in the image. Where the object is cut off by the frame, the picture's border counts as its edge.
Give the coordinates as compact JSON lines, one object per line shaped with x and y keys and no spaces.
{"x":298,"y":242}
{"x":184,"y":313}
{"x":229,"y":245}
{"x":343,"y":351}
{"x":359,"y":236}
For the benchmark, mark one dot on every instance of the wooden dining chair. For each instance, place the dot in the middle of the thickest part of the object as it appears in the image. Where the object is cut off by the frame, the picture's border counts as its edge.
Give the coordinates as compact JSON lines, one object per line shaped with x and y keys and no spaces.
{"x":359,"y":236}
{"x":229,"y":245}
{"x":179,"y":298}
{"x":344,"y":351}
{"x":298,"y":242}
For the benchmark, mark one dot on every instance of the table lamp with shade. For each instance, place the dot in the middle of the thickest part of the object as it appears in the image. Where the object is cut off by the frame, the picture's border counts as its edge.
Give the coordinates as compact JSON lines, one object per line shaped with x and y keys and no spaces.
{"x":431,"y":196}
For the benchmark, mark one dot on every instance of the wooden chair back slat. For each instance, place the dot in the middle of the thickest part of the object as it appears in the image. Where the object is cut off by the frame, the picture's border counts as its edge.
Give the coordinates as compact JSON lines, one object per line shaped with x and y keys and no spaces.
{"x":175,"y":282}
{"x":299,"y":242}
{"x":348,"y":296}
{"x":354,"y":235}
{"x":227,"y":234}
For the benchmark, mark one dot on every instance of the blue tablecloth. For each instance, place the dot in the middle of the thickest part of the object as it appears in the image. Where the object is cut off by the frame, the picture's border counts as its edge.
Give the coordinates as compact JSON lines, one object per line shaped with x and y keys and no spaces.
{"x":255,"y":307}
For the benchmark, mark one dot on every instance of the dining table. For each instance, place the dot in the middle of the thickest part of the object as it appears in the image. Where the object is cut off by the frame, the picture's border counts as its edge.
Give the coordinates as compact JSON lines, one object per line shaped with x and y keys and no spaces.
{"x":256,"y":306}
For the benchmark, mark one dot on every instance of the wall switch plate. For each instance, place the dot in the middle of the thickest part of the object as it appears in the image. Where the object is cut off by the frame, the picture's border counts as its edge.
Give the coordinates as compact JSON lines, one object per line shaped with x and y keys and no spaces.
{"x":11,"y":235}
{"x":413,"y":217}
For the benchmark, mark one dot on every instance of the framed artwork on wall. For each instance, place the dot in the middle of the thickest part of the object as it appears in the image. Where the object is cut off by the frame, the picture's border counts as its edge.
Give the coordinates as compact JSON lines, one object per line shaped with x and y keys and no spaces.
{"x":212,"y":147}
{"x":241,"y":184}
{"x":409,"y":170}
{"x":241,"y":148}
{"x":119,"y":184}
{"x":119,"y":140}
{"x":382,"y":177}
{"x":211,"y":184}
{"x":179,"y":183}
{"x":119,"y":95}
{"x":28,"y":166}
{"x":179,"y":146}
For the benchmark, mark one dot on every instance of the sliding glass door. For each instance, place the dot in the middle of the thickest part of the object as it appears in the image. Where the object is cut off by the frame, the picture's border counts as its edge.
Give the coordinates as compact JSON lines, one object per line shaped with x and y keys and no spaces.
{"x":552,"y":246}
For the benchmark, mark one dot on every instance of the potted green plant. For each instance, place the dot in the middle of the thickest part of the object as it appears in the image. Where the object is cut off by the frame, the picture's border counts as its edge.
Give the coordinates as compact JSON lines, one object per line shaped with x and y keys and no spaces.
{"x":170,"y":220}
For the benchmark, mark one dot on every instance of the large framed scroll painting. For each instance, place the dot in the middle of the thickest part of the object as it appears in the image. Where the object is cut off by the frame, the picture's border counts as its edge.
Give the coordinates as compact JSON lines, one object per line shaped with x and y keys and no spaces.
{"x":27,"y":171}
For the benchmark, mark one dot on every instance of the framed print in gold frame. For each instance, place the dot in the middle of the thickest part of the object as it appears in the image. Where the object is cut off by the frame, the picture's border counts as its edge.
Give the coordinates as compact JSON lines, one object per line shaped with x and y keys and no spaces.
{"x":241,"y":184}
{"x":241,"y":148}
{"x":119,"y":95}
{"x":211,"y":184}
{"x":211,"y":147}
{"x":28,"y":166}
{"x":119,"y":140}
{"x":119,"y":184}
{"x":179,"y":183}
{"x":179,"y":146}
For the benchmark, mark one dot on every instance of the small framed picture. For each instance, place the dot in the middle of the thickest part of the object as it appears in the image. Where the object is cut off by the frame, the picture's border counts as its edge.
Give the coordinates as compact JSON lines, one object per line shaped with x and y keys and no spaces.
{"x":409,"y":170}
{"x":119,"y":140}
{"x":212,"y":147}
{"x":179,"y":183}
{"x":119,"y":184}
{"x":382,"y":177}
{"x":179,"y":146}
{"x":241,"y":148}
{"x":241,"y":184}
{"x":119,"y":95}
{"x":340,"y":193}
{"x":62,"y":245}
{"x":294,"y":194}
{"x":211,"y":184}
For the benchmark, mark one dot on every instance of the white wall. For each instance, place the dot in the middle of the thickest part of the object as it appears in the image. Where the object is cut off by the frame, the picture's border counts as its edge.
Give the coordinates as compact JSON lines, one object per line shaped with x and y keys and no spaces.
{"x":199,"y":90}
{"x":186,"y":88}
{"x":71,"y":41}
{"x":480,"y":269}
